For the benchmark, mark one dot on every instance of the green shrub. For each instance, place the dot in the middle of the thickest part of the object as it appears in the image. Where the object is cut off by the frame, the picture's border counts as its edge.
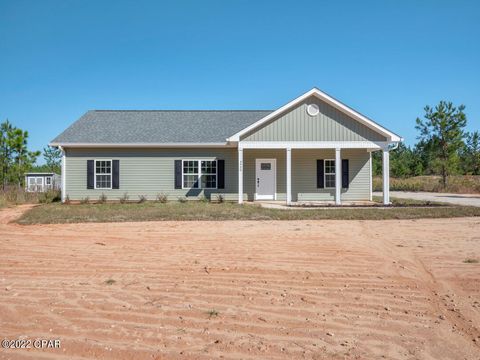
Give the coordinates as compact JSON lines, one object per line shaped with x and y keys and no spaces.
{"x":203,"y":199}
{"x":102,"y":199}
{"x":124,"y":198}
{"x":162,"y":198}
{"x":49,"y":196}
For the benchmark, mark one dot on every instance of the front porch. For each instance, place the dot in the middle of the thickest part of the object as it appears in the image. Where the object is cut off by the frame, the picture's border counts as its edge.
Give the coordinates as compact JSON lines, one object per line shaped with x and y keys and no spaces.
{"x":319,"y":173}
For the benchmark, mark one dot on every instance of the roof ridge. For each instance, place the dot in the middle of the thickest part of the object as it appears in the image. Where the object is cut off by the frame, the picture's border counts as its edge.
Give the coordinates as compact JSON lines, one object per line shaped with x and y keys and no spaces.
{"x":236,"y":110}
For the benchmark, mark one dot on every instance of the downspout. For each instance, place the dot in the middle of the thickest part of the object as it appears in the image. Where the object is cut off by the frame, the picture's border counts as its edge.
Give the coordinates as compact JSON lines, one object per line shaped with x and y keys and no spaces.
{"x":64,"y":174}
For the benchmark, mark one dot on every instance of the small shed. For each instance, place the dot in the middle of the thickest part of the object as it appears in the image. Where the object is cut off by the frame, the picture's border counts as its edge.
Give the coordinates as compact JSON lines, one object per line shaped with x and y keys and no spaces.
{"x":42,"y":181}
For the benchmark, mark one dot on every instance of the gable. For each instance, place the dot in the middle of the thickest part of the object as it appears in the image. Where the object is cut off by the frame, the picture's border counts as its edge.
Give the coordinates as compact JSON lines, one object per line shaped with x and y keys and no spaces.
{"x":295,"y":124}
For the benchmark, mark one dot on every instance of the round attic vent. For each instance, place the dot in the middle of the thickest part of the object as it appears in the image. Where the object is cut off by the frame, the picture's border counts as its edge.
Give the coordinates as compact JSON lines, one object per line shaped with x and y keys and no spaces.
{"x":313,"y":109}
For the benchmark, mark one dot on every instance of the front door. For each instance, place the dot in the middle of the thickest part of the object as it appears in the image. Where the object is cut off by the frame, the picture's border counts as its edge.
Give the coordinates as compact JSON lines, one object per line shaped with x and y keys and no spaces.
{"x":265,"y":185}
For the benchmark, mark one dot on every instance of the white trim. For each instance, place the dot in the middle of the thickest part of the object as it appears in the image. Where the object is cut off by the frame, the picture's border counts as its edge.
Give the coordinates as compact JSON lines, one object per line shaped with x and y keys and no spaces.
{"x":338,"y":176}
{"x":41,"y":173}
{"x":266,"y":197}
{"x":95,"y":174}
{"x":312,"y":144}
{"x":240,"y":175}
{"x":386,"y":176}
{"x":64,"y":175}
{"x":36,"y":187}
{"x":371,"y":175}
{"x":142,"y":145}
{"x":325,"y":173}
{"x":289,"y":176}
{"x":245,"y":144}
{"x":329,"y":100}
{"x":199,"y":164}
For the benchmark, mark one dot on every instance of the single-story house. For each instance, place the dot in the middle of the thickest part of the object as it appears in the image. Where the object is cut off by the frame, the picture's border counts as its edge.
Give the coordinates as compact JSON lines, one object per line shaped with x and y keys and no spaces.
{"x":314,"y":148}
{"x":42,"y":181}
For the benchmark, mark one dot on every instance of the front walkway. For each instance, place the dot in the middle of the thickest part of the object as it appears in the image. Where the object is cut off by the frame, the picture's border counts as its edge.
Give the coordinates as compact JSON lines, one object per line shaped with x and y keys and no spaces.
{"x":456,"y":199}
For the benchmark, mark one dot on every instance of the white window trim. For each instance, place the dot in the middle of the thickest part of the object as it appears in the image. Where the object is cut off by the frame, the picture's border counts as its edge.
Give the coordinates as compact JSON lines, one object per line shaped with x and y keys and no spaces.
{"x":199,"y":161}
{"x":325,"y":173}
{"x":36,"y":187}
{"x":95,"y":174}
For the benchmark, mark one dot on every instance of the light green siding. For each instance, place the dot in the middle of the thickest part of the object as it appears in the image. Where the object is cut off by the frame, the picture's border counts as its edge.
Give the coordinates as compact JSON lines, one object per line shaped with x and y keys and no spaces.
{"x":329,"y":125}
{"x":304,"y":175}
{"x":150,"y":172}
{"x":146,"y":172}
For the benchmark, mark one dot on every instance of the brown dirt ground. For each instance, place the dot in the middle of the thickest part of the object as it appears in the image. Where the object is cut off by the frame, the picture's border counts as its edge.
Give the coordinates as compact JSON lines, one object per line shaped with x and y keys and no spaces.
{"x":288,"y":289}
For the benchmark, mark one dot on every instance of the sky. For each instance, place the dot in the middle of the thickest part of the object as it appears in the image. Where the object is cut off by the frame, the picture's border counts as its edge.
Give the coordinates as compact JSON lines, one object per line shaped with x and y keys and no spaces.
{"x":387,"y":59}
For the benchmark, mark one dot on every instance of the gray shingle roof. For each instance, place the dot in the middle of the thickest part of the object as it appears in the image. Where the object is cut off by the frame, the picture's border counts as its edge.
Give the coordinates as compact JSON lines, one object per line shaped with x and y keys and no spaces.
{"x":158,"y":126}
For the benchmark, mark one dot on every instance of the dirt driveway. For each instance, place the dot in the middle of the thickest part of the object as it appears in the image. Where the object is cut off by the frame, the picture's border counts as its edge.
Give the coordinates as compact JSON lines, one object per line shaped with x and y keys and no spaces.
{"x":454,"y":199}
{"x":202,"y":290}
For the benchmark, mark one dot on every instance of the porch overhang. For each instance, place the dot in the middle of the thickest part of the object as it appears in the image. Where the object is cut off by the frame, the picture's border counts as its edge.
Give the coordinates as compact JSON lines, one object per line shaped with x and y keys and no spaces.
{"x":338,"y":146}
{"x":313,"y":145}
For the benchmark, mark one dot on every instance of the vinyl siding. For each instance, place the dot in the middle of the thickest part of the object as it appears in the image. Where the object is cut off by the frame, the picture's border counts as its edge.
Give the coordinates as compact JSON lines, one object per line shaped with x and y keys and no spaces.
{"x":150,"y":172}
{"x":304,"y":175}
{"x":147,"y":172}
{"x":329,"y":125}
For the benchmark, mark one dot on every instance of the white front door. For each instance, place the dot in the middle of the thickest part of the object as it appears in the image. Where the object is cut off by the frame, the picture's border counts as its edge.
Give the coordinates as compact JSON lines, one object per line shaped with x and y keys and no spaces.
{"x":265,"y":179}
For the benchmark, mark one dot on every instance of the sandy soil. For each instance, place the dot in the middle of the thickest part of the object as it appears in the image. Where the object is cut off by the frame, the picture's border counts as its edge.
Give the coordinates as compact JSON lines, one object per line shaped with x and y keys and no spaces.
{"x":301,"y":289}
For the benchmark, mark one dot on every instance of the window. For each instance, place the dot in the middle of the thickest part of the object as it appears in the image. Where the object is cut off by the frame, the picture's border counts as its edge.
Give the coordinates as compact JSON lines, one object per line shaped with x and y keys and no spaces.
{"x":103,"y":174}
{"x":265,"y":166}
{"x":329,"y":173}
{"x":35,"y":183}
{"x":190,"y":174}
{"x":209,"y":174}
{"x":48,"y":182}
{"x":199,"y":174}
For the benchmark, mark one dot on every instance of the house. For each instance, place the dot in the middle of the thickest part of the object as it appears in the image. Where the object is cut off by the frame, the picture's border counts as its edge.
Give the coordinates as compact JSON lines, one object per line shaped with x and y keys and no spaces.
{"x":314,"y":148}
{"x":42,"y":181}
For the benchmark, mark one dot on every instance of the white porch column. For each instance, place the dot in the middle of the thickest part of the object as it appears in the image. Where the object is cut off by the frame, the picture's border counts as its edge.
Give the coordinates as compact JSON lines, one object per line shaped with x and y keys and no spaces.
{"x":64,"y":175}
{"x":338,"y":176}
{"x":386,"y":176}
{"x":240,"y":175}
{"x":289,"y":176}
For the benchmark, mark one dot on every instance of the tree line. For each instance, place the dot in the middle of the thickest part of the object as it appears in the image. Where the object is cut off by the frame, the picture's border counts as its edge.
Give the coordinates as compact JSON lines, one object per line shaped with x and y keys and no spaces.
{"x":16,"y":159}
{"x":444,"y":147}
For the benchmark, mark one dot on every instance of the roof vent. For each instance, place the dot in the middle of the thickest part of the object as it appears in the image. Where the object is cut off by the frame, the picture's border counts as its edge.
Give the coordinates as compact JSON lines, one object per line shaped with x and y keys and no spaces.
{"x":313,"y":109}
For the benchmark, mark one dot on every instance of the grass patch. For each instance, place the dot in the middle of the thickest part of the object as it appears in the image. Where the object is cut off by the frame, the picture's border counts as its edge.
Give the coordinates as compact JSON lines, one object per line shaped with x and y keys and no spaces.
{"x":399,"y":202}
{"x":153,"y":211}
{"x":471,"y":261}
{"x":459,"y":184}
{"x":14,"y":195}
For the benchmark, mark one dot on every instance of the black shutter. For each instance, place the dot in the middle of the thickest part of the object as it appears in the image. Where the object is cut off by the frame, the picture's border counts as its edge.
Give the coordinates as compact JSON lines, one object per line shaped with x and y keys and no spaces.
{"x":220,"y":174}
{"x":320,"y":174}
{"x":345,"y":173}
{"x":90,"y":174}
{"x":178,"y":174}
{"x":115,"y":174}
